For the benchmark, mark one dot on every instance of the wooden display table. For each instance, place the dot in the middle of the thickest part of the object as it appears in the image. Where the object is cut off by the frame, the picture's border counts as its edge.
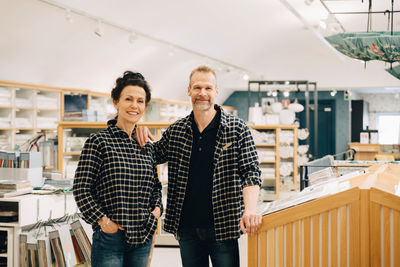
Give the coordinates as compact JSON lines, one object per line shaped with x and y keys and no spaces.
{"x":365,"y":151}
{"x":359,"y":226}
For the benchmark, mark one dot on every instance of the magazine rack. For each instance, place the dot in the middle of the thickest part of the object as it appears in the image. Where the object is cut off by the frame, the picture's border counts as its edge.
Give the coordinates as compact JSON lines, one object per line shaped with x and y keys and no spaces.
{"x":359,"y":225}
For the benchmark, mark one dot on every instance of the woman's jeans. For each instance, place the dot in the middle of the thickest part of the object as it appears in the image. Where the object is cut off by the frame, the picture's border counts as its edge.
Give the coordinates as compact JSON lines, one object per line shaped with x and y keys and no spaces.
{"x":111,"y":250}
{"x":197,"y":245}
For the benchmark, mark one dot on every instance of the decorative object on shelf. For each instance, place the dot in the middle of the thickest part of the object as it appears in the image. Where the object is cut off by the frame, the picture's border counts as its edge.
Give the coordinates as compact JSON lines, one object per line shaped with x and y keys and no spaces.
{"x":287,"y":117}
{"x":286,"y":151}
{"x":302,"y":134}
{"x":302,"y":149}
{"x":286,"y":168}
{"x":295,"y":106}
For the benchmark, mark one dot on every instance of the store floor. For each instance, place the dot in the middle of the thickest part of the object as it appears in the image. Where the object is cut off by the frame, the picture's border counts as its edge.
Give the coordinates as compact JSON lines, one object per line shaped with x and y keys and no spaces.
{"x":170,"y":257}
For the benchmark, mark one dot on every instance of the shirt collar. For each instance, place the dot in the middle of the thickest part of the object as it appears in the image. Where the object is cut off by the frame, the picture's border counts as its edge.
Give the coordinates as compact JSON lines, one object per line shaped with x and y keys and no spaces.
{"x":190,"y":119}
{"x":118,"y":131}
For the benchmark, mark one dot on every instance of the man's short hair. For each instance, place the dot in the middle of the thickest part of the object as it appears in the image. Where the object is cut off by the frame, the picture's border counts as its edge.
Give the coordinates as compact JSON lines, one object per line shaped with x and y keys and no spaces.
{"x":202,"y":69}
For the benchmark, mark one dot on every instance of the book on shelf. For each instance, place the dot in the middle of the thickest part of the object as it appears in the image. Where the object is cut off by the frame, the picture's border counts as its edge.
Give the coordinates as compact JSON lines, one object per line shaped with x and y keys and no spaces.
{"x":42,"y":253}
{"x":13,"y":193}
{"x":83,"y":240}
{"x":14,"y":184}
{"x":23,"y":251}
{"x":33,"y":255}
{"x":57,"y":253}
{"x":78,"y":252}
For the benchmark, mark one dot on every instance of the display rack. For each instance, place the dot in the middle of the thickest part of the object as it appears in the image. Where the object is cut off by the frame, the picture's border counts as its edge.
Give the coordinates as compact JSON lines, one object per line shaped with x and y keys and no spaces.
{"x":293,"y":85}
{"x":26,"y":109}
{"x":277,"y":162}
{"x":348,"y":222}
{"x":30,"y":209}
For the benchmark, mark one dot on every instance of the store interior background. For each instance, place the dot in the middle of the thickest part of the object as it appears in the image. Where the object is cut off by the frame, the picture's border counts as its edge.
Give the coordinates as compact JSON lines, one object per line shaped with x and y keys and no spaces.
{"x":52,"y":42}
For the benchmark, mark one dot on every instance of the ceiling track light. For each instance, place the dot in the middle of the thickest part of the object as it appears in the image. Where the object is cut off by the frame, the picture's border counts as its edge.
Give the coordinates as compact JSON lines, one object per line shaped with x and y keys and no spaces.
{"x":99,"y":30}
{"x":68,"y":15}
{"x":333,"y":93}
{"x":132,"y":37}
{"x":286,"y":94}
{"x":226,"y":66}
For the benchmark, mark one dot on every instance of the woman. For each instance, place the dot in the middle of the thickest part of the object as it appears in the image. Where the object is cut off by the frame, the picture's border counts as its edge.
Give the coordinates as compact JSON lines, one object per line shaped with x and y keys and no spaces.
{"x":116,"y":185}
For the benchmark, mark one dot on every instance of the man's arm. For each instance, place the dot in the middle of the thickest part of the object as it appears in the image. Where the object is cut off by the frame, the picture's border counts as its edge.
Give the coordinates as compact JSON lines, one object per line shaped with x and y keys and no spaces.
{"x":142,"y":135}
{"x":250,"y":221}
{"x":251,"y":182}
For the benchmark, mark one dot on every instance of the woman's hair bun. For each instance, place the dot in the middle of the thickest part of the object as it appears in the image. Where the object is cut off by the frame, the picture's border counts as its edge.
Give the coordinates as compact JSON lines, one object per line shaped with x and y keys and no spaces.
{"x":133,"y":75}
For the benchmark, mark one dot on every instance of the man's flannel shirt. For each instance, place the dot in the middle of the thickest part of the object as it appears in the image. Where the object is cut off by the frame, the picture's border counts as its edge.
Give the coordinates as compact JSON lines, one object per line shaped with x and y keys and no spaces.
{"x":235,"y":167}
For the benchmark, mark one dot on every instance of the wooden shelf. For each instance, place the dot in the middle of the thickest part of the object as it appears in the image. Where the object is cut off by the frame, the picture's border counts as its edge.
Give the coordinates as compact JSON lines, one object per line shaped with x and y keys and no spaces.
{"x":72,"y":153}
{"x":276,"y":148}
{"x":24,"y":108}
{"x":265,"y":145}
{"x":267,"y":161}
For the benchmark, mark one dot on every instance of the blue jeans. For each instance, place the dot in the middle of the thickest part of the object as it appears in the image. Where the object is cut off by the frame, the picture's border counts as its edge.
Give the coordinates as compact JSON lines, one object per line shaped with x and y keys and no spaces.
{"x":198,"y":244}
{"x":111,"y":250}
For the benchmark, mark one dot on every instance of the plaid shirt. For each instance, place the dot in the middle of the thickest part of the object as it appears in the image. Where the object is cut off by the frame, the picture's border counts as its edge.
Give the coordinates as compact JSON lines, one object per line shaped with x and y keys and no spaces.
{"x":235,"y":167}
{"x":116,"y":179}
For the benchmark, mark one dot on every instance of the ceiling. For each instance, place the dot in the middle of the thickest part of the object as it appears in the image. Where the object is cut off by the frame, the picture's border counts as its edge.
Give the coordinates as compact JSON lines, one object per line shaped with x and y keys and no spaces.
{"x":267,"y":39}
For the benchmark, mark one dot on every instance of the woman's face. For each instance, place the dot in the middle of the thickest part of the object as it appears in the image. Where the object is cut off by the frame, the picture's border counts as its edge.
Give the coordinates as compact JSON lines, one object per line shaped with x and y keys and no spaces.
{"x":131,"y":104}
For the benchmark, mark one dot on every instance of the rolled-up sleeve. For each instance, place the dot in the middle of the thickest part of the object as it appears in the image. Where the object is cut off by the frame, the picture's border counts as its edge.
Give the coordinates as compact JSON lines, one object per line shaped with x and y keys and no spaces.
{"x":85,"y":179}
{"x":249,"y":170}
{"x":161,"y":148}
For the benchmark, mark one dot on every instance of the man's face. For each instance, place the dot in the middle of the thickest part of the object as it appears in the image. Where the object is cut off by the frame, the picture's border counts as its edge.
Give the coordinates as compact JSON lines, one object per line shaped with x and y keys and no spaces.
{"x":203,"y":90}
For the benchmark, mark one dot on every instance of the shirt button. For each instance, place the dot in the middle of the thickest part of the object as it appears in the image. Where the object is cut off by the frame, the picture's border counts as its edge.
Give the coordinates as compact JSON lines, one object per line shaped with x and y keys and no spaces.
{"x":199,"y":148}
{"x":201,"y":138}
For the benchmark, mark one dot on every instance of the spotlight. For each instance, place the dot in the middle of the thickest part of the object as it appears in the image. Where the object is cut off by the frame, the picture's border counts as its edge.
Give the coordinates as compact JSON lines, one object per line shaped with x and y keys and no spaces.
{"x":99,"y":30}
{"x":245,"y":77}
{"x":333,"y":93}
{"x":132,"y":37}
{"x":286,"y":93}
{"x":68,"y":15}
{"x":274,"y":93}
{"x":269,"y":93}
{"x":308,"y":2}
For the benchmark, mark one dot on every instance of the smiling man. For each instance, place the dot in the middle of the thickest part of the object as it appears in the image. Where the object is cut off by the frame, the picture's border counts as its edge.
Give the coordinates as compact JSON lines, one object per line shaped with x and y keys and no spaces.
{"x":213,"y":177}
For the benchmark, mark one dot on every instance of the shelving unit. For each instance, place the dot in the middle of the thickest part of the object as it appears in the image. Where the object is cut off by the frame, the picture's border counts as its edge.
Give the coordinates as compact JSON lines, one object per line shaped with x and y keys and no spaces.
{"x":26,"y":109}
{"x":270,"y":158}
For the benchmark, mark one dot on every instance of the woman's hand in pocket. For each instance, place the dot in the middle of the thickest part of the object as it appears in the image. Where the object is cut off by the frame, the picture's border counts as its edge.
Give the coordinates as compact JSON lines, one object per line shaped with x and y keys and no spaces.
{"x":157,"y":212}
{"x":108,"y":226}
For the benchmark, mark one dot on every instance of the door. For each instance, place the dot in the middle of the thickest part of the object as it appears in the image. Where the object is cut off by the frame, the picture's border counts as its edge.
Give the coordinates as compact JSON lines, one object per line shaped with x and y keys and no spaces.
{"x":326,"y":127}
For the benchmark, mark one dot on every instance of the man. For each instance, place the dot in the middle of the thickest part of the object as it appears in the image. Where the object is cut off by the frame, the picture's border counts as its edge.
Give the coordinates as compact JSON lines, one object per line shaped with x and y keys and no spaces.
{"x":213,"y":178}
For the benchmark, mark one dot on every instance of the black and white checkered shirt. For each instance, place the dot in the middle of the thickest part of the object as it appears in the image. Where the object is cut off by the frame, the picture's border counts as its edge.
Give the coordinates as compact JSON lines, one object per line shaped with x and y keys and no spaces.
{"x":116,"y":179}
{"x":235,"y":167}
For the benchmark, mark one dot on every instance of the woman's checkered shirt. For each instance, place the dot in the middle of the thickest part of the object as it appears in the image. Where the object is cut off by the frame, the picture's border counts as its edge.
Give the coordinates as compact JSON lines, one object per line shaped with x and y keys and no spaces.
{"x":115,"y":178}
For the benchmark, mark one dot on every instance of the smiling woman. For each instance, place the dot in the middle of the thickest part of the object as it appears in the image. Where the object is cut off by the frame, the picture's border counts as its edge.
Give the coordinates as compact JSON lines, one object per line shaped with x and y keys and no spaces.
{"x":112,"y":163}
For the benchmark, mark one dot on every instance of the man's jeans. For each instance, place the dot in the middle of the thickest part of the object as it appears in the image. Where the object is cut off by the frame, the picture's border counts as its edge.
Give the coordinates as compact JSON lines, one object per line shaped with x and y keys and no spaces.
{"x":111,"y":250}
{"x":198,"y":244}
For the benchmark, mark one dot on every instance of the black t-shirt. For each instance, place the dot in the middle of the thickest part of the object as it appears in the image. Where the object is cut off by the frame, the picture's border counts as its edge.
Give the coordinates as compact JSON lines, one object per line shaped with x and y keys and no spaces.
{"x":197,"y":207}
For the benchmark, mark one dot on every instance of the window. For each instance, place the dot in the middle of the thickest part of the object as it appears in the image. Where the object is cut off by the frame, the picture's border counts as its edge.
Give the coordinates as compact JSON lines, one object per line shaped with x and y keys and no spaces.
{"x":388,"y":125}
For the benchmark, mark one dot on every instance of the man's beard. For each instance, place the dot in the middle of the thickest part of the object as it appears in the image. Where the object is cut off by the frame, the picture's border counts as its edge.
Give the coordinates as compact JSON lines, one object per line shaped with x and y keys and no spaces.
{"x":202,"y":106}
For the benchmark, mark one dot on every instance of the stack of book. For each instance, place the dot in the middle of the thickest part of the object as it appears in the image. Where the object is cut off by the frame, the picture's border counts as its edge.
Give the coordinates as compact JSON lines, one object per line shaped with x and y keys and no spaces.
{"x":11,"y":188}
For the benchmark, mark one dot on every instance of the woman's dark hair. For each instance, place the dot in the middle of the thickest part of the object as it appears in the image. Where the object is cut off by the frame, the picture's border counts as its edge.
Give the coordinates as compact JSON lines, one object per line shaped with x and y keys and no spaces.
{"x":130,"y":78}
